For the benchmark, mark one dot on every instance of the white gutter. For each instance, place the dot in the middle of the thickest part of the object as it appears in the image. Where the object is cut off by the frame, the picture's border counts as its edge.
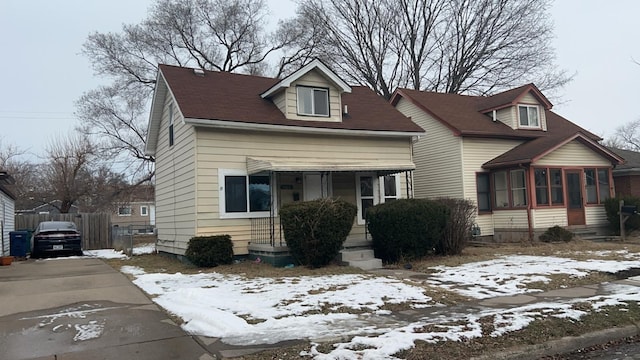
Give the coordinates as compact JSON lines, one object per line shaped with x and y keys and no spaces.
{"x":235,"y":125}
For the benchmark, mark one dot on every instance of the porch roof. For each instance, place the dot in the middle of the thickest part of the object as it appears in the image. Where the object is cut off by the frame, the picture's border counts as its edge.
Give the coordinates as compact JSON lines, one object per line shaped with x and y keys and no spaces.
{"x":259,"y":164}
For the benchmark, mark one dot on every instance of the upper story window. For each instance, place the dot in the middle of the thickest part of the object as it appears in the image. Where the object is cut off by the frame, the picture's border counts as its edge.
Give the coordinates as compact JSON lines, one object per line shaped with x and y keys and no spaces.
{"x":144,"y":210}
{"x":528,"y":115}
{"x":170,"y":124}
{"x":313,"y":101}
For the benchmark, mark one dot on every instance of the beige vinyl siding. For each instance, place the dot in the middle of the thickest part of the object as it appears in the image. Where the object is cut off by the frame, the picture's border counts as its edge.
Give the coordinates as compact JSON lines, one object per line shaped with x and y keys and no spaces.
{"x":475,"y":153}
{"x":437,"y":156}
{"x":175,"y":183}
{"x":228,"y":149}
{"x":546,"y":218}
{"x":573,"y":153}
{"x":508,"y":116}
{"x":313,"y":79}
{"x":280,"y":101}
{"x":510,"y":219}
{"x":596,"y":215}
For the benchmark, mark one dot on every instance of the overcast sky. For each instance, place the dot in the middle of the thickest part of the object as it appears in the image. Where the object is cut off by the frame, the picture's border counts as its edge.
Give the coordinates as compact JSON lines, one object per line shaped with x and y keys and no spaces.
{"x":43,"y":72}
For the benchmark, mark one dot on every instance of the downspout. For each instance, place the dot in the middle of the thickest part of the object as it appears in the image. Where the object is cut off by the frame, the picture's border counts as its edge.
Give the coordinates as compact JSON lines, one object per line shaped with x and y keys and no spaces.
{"x":527,"y":173}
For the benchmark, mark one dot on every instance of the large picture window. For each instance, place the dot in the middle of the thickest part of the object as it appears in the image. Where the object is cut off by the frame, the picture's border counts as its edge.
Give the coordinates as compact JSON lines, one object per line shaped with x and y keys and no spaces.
{"x":244,"y":195}
{"x":510,"y":188}
{"x":313,"y":101}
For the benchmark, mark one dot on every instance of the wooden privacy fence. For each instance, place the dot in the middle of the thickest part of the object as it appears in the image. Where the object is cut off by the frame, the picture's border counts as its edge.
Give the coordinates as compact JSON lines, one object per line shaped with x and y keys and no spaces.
{"x":94,"y":227}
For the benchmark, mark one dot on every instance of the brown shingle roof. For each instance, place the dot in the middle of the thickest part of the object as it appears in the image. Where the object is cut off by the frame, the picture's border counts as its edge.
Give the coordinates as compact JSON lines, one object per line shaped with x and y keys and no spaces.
{"x":464,"y":115}
{"x":236,"y":97}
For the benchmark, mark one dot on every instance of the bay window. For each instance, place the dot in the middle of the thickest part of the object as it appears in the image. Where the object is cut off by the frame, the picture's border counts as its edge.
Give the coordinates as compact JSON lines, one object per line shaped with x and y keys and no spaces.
{"x":510,"y":188}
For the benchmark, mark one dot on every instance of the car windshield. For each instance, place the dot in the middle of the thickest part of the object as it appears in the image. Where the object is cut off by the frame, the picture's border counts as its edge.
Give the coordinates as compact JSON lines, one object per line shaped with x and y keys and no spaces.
{"x":57,"y":225}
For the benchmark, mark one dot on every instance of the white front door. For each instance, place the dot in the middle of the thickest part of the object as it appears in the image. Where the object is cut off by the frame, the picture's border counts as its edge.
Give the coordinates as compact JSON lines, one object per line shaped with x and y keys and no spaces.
{"x":316,"y":186}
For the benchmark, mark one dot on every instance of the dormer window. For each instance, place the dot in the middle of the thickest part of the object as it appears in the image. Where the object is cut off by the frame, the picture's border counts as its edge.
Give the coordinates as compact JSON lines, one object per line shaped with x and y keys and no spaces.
{"x":529,"y":116}
{"x":313,"y":101}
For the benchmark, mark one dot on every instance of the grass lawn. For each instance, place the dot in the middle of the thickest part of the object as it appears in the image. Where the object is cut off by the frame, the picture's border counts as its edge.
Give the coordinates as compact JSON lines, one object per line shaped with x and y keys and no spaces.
{"x":539,"y":331}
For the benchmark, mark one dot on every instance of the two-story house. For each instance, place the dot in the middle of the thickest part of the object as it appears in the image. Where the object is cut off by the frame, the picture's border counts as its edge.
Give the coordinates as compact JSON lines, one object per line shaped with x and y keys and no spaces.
{"x":525,"y":167}
{"x":231,"y":149}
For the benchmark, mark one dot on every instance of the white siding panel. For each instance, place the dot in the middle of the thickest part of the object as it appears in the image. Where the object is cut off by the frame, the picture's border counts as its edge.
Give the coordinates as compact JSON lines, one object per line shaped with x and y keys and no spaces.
{"x":573,"y":153}
{"x":485,"y":221}
{"x":437,"y":156}
{"x":7,"y":215}
{"x":546,"y":218}
{"x":510,"y":219}
{"x":596,"y":215}
{"x":507,"y":116}
{"x":175,"y":183}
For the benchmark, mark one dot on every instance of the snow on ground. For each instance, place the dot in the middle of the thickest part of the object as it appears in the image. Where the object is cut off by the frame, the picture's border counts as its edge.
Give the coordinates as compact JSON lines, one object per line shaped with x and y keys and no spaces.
{"x":105,"y":254}
{"x":142,"y":249}
{"x":509,"y":275}
{"x":243,"y":311}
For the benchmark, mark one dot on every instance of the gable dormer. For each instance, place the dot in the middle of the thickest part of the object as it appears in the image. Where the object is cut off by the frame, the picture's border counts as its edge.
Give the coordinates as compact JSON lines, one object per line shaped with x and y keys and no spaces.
{"x":522,"y":108}
{"x":313,"y":93}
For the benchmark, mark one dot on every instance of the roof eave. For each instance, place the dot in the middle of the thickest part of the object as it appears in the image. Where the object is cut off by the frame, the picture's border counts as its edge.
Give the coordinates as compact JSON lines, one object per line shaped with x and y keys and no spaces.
{"x":238,"y":125}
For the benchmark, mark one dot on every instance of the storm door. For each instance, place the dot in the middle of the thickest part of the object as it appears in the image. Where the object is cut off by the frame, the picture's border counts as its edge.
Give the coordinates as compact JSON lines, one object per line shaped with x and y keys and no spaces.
{"x":575,"y":205}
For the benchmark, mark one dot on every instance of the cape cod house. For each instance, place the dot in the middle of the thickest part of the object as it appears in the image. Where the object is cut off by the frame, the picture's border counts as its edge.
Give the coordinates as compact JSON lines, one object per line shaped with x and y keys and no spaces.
{"x":231,"y":149}
{"x":525,"y":167}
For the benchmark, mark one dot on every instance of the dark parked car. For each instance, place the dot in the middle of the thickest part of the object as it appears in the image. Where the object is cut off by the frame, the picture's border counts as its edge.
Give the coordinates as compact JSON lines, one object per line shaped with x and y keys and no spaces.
{"x":56,"y":237}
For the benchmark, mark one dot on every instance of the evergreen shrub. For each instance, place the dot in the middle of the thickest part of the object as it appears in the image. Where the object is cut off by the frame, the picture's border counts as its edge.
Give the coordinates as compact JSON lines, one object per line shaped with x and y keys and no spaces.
{"x":210,"y":251}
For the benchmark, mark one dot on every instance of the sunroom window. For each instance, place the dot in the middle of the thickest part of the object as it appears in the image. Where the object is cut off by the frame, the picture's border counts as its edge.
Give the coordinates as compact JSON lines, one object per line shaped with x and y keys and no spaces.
{"x":510,"y":188}
{"x":313,"y":101}
{"x":484,"y":191}
{"x":529,"y":116}
{"x":596,"y":185}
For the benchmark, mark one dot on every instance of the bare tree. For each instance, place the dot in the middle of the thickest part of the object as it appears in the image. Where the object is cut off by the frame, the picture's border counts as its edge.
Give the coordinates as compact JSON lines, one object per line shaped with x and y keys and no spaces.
{"x":626,"y":137}
{"x":457,"y":46}
{"x":67,"y":172}
{"x":223,"y":35}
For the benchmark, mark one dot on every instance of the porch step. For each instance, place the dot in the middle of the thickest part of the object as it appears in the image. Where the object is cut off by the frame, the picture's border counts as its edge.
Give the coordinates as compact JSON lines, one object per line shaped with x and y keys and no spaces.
{"x":354,"y":255}
{"x":369,"y":264}
{"x":360,"y":258}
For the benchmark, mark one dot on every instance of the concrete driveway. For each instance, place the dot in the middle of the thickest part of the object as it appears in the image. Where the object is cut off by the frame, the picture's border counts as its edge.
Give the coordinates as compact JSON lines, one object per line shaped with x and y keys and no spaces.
{"x":83,"y":309}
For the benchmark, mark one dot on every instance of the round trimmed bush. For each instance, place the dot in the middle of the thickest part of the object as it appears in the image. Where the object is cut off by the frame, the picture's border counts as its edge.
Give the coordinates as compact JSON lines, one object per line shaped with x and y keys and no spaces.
{"x":315,"y":230}
{"x":210,"y":251}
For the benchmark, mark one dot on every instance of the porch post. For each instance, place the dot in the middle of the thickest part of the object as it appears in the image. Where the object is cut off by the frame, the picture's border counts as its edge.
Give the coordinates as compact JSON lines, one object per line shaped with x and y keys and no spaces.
{"x":272,"y":211}
{"x":409,"y":181}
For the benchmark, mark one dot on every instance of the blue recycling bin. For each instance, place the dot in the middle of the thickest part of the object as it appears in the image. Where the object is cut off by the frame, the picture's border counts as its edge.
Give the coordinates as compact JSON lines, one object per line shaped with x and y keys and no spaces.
{"x":19,"y":242}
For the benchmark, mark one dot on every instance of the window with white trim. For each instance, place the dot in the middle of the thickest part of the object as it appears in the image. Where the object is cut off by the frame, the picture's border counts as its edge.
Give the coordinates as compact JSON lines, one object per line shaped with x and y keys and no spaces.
{"x":244,"y":196}
{"x":124,"y":210}
{"x":528,"y":115}
{"x":144,"y":210}
{"x":313,"y":101}
{"x":372,"y":190}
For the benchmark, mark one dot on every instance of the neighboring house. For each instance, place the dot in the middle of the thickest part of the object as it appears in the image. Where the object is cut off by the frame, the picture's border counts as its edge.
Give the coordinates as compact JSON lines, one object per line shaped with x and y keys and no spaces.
{"x":137,"y":209}
{"x":7,"y":205}
{"x":51,"y":208}
{"x":231,"y":149}
{"x":626,"y":176}
{"x":525,"y":167}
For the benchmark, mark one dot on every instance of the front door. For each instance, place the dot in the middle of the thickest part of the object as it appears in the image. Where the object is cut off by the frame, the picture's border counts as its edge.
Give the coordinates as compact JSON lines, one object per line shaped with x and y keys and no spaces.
{"x":575,"y":205}
{"x":316,"y":186}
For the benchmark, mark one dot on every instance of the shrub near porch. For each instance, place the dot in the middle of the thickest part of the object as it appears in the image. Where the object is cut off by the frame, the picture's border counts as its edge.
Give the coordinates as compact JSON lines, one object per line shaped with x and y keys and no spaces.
{"x":315,"y":230}
{"x":406,"y":229}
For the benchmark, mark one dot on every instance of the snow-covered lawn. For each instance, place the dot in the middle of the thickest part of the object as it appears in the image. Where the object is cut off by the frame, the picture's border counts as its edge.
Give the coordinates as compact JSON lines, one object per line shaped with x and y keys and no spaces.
{"x":244,"y":311}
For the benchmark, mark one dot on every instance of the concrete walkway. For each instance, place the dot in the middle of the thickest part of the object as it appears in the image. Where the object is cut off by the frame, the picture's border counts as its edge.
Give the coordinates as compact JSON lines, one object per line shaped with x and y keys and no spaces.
{"x":83,"y":309}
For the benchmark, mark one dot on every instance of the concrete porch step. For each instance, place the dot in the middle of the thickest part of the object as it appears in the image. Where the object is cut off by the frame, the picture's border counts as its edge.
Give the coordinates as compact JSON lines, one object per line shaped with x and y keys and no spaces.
{"x":360,"y":258}
{"x":360,"y":254}
{"x":369,"y":264}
